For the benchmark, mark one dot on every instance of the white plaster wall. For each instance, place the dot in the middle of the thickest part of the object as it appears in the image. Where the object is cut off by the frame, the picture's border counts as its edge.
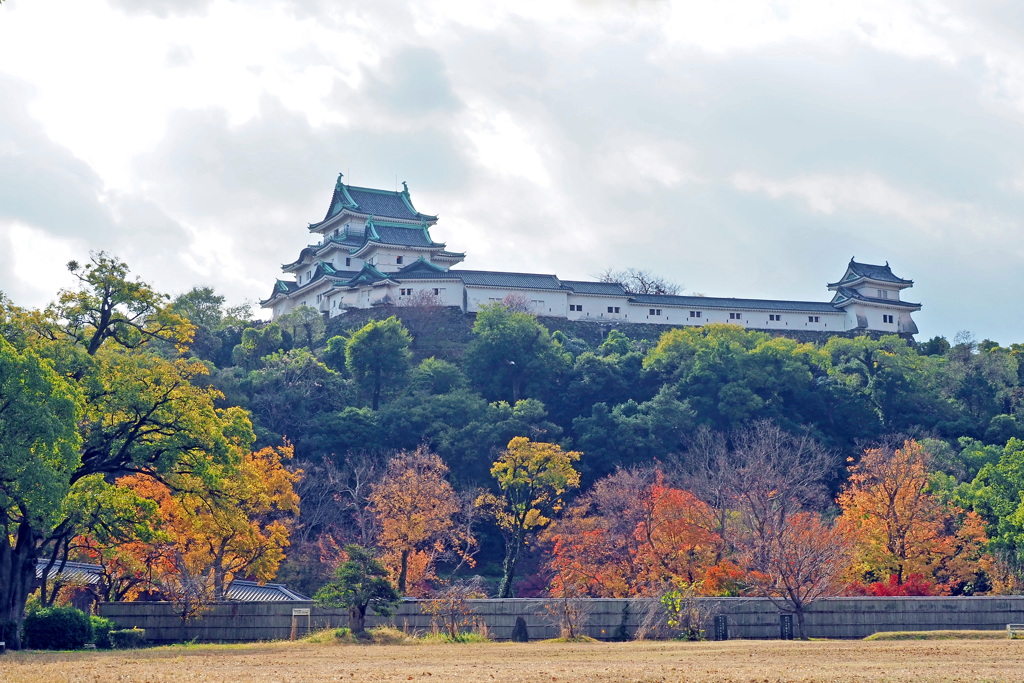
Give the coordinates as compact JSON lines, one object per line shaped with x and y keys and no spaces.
{"x":385,"y":260}
{"x":596,"y":307}
{"x":549,"y":300}
{"x":449,"y":292}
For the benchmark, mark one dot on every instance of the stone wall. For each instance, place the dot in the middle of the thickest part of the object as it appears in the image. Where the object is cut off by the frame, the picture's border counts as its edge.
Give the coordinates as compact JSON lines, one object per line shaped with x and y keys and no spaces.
{"x":607,"y":619}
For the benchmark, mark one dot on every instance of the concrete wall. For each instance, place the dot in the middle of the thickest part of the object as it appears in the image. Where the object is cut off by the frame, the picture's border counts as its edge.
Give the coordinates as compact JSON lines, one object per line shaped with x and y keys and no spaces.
{"x":748,"y":618}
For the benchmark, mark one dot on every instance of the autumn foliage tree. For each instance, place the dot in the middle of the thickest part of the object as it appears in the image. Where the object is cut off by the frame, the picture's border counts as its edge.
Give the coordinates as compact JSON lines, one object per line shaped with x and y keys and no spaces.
{"x":532,"y":476}
{"x":797,"y":562}
{"x":902,"y":529}
{"x":631,"y":535}
{"x":144,"y":409}
{"x":417,"y":511}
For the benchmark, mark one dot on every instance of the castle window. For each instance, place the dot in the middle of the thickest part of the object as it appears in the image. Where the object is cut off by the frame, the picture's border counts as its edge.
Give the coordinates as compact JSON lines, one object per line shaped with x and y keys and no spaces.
{"x":887,"y":319}
{"x":774,"y":317}
{"x":613,"y":309}
{"x":813,"y":318}
{"x":405,"y":292}
{"x":734,"y":316}
{"x":399,"y":259}
{"x":694,"y":314}
{"x":655,"y":311}
{"x":348,"y":262}
{"x":576,"y":307}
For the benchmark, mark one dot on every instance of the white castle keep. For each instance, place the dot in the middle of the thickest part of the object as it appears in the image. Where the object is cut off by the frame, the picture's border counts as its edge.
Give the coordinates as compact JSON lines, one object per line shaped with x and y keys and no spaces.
{"x":375,"y":249}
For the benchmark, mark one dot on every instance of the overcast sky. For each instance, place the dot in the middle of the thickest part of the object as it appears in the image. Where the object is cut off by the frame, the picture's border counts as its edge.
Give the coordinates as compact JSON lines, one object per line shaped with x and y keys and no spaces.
{"x":740,"y":148}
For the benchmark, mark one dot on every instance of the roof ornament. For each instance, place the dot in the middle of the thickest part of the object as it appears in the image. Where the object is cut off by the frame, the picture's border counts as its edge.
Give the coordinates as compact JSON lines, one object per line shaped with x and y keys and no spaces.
{"x":405,"y":188}
{"x":337,"y":185}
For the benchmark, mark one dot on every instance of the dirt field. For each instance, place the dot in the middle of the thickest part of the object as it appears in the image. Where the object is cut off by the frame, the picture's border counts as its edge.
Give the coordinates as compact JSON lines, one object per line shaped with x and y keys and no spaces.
{"x":742,"y":660}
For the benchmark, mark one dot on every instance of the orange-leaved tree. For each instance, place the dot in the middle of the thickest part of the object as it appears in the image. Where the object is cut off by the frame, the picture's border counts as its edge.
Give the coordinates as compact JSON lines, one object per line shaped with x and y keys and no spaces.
{"x":901,"y":529}
{"x":209,"y":537}
{"x":418,"y":512}
{"x":630,"y":535}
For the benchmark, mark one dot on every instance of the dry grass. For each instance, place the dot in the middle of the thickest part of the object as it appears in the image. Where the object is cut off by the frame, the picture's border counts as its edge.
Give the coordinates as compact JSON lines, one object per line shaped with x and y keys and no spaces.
{"x":944,"y":660}
{"x":938,"y":635}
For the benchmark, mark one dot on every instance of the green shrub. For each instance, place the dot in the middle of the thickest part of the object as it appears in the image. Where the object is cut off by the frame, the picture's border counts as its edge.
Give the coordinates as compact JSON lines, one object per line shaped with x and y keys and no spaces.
{"x":128,"y":638}
{"x":57,"y":628}
{"x":101,"y":629}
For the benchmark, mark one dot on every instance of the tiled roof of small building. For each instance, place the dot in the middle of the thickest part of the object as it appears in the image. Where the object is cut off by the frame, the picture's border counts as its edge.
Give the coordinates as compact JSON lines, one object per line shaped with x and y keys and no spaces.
{"x":78,"y":573}
{"x":250,"y":591}
{"x":81,"y":573}
{"x":708,"y":302}
{"x":855,"y":271}
{"x":601,"y":288}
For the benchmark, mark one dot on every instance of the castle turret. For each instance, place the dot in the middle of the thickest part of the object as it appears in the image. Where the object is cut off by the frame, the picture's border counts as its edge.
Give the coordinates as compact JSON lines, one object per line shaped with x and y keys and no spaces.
{"x":870,"y":296}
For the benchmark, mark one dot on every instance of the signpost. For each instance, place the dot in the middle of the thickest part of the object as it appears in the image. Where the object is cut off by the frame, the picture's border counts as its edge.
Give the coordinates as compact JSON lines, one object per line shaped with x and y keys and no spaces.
{"x":296,"y":613}
{"x":721,"y":627}
{"x":786,"y":626}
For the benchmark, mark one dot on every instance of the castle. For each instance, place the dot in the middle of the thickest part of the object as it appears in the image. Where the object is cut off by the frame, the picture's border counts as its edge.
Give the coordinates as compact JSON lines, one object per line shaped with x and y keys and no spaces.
{"x":375,"y":249}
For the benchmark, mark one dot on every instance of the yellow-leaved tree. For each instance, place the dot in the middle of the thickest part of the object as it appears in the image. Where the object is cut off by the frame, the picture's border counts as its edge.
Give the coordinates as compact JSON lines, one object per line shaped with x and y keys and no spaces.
{"x":532,"y":476}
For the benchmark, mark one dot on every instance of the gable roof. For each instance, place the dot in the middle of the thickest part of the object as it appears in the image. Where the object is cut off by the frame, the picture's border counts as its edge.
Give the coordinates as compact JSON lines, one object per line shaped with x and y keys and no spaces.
{"x":867,"y":271}
{"x":373,"y":202}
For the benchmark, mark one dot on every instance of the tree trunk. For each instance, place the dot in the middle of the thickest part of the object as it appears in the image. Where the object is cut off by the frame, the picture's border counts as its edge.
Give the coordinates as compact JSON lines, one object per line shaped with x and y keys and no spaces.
{"x":403,"y":572}
{"x":376,"y":388}
{"x":508,"y":567}
{"x":356,"y":619}
{"x":17,"y":573}
{"x":800,"y":627}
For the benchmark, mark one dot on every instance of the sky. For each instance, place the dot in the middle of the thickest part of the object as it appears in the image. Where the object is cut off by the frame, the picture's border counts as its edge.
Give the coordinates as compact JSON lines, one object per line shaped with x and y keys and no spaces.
{"x":740,"y":148}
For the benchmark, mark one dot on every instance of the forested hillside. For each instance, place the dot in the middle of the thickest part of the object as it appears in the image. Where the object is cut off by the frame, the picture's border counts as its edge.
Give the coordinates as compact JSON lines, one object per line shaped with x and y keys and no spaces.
{"x":592,"y":463}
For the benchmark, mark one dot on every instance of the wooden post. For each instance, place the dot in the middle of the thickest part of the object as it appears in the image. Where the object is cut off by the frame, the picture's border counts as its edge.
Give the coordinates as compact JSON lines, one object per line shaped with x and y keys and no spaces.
{"x":296,"y":613}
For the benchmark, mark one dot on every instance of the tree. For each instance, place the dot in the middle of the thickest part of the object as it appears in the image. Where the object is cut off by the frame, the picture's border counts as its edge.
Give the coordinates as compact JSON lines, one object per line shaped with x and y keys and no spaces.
{"x":144,"y":413}
{"x":39,"y":454}
{"x":240,"y":529}
{"x":304,"y":322}
{"x":640,"y":281}
{"x":360,"y":583}
{"x":532,"y":477}
{"x":416,"y":509}
{"x":765,"y":475}
{"x":997,"y":494}
{"x":378,"y":354}
{"x":900,"y":528}
{"x":511,"y":354}
{"x":797,"y":562}
{"x":630,"y":535}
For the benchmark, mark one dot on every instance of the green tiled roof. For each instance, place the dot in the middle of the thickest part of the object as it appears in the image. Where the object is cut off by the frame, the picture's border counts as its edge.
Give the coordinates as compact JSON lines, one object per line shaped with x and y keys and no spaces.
{"x":373,"y":202}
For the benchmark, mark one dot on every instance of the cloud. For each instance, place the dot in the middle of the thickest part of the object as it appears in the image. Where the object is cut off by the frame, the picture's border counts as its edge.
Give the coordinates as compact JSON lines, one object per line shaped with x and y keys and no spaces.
{"x":162,"y":8}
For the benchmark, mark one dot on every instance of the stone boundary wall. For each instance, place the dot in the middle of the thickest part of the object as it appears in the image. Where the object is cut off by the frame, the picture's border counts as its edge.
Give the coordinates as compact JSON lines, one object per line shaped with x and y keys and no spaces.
{"x":608,"y":619}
